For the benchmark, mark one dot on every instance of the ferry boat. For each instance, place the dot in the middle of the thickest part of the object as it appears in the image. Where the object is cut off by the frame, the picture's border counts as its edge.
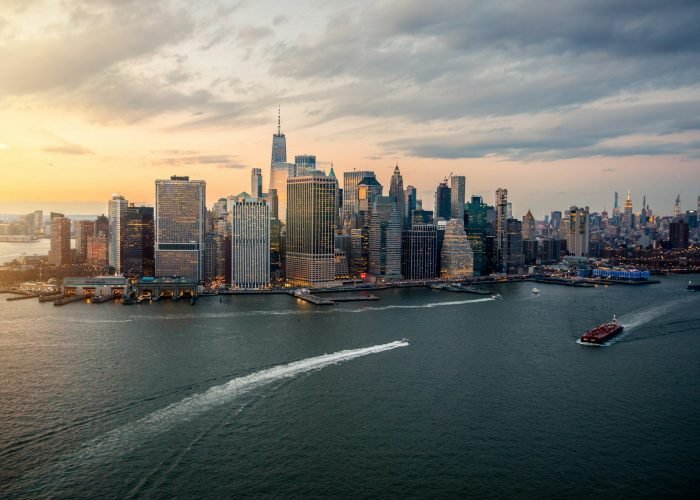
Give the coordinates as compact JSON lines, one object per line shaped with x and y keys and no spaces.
{"x":693,"y":288}
{"x":602,"y":333}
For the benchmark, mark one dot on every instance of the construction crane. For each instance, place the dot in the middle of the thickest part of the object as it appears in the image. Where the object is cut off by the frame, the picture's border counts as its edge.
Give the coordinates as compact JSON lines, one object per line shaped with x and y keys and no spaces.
{"x":447,"y":178}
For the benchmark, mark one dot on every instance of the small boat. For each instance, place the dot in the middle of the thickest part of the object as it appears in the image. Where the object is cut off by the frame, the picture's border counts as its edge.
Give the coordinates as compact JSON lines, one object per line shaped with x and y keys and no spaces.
{"x":693,"y":288}
{"x":496,"y":296}
{"x":536,"y":291}
{"x":602,"y":333}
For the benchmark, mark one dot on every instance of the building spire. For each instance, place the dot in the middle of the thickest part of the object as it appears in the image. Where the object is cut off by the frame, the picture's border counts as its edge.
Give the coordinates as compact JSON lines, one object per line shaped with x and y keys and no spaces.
{"x":279,"y":121}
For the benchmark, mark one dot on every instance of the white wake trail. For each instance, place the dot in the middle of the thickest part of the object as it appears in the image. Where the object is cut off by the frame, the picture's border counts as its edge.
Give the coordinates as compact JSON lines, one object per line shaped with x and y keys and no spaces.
{"x":134,"y":434}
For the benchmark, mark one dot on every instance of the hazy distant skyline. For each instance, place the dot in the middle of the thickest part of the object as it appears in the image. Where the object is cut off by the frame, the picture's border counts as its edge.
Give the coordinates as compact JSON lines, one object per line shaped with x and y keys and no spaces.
{"x":560,"y":102}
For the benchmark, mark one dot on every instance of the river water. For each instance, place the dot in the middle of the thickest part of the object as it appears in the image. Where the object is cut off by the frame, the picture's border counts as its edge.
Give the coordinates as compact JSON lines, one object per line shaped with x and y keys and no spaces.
{"x":421,"y":394}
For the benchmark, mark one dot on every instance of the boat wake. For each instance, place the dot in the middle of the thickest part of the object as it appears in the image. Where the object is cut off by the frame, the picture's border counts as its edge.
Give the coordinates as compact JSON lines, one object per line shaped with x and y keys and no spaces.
{"x":290,"y":312}
{"x":638,"y":318}
{"x":130,"y":436}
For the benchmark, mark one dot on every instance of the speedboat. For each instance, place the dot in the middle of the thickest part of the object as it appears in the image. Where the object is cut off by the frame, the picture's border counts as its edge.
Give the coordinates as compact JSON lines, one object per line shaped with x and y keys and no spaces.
{"x":496,"y":296}
{"x":536,"y":291}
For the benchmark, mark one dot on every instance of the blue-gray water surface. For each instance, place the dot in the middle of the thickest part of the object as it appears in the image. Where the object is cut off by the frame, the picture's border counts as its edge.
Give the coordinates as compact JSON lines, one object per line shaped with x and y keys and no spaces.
{"x":266,"y":396}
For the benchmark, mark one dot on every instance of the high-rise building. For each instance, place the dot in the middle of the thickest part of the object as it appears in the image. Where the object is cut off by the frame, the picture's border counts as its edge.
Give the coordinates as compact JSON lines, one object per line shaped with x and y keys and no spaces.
{"x":458,"y":189}
{"x":501,"y":236}
{"x":350,"y":182}
{"x":250,"y":243}
{"x":577,"y":230}
{"x":83,"y":229}
{"x":443,"y":202}
{"x":514,"y":249}
{"x":411,"y":196}
{"x":180,"y":227}
{"x":396,"y":192}
{"x":679,"y":234}
{"x":677,"y":210}
{"x":311,"y":230}
{"x":305,"y":165}
{"x":627,"y":217}
{"x":478,"y":229}
{"x":280,"y":173}
{"x":59,"y":253}
{"x":419,"y":252}
{"x":116,"y":211}
{"x":279,"y":144}
{"x":456,"y":257}
{"x":385,"y":239}
{"x":97,"y":250}
{"x":102,"y":228}
{"x":359,"y":254}
{"x":366,"y":191}
{"x":529,"y":229}
{"x":138,"y":241}
{"x":256,"y":183}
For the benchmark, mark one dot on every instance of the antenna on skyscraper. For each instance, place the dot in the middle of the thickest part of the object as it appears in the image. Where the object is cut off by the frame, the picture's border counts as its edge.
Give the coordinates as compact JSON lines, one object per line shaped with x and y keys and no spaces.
{"x":279,"y":121}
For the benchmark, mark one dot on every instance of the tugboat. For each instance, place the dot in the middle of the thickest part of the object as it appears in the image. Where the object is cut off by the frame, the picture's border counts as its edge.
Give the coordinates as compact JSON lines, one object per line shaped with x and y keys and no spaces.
{"x":602,"y":333}
{"x":693,"y":288}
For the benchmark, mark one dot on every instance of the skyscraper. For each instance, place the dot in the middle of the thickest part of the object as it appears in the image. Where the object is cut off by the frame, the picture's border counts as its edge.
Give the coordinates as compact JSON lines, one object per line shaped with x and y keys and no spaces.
{"x":514,"y":248}
{"x":279,"y":143}
{"x":116,"y":212}
{"x":419,"y":252}
{"x":180,"y":227}
{"x":677,"y":210}
{"x":138,"y":240}
{"x":577,"y":230}
{"x":627,"y":217}
{"x":385,"y":239}
{"x":443,"y":202}
{"x":350,"y":182}
{"x":501,"y":239}
{"x":477,"y":231}
{"x":311,"y":230}
{"x":411,"y":196}
{"x":279,"y":175}
{"x":256,"y":188}
{"x":250,"y":243}
{"x":59,"y":254}
{"x":456,"y":257}
{"x":529,"y":231}
{"x":396,"y":192}
{"x":83,"y":229}
{"x":458,"y":189}
{"x":305,"y":164}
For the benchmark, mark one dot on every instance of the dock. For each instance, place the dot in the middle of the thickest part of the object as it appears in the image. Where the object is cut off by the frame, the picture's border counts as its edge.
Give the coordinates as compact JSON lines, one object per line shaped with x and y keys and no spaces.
{"x":101,"y":299}
{"x":67,"y":300}
{"x":563,"y":282}
{"x":354,"y":298}
{"x":314,"y":299}
{"x":23,"y":297}
{"x":50,"y":298}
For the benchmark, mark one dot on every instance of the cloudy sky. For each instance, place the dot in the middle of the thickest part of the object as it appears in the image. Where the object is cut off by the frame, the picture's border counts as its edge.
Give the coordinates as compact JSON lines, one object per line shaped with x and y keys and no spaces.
{"x":560,"y":102}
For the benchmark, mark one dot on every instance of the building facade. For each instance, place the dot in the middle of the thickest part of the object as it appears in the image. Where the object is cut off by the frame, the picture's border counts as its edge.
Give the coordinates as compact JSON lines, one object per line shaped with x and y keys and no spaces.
{"x":419,"y":252}
{"x":458,"y":187}
{"x":385,"y":239}
{"x":138,"y":242}
{"x":116,"y":213}
{"x":250,"y":243}
{"x":456,"y":258}
{"x":180,"y":227}
{"x":59,"y":254}
{"x":310,"y":249}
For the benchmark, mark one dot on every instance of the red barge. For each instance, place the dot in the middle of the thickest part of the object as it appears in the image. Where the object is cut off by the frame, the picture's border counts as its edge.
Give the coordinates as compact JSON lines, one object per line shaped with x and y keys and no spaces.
{"x":602,"y":333}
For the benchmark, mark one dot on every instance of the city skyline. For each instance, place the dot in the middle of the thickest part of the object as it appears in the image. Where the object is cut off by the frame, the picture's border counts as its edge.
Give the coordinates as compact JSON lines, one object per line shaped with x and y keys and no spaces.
{"x":552,"y":108}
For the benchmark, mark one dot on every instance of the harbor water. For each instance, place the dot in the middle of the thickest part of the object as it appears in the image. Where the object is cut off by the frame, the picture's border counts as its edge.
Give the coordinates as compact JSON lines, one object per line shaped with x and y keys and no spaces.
{"x":421,"y":394}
